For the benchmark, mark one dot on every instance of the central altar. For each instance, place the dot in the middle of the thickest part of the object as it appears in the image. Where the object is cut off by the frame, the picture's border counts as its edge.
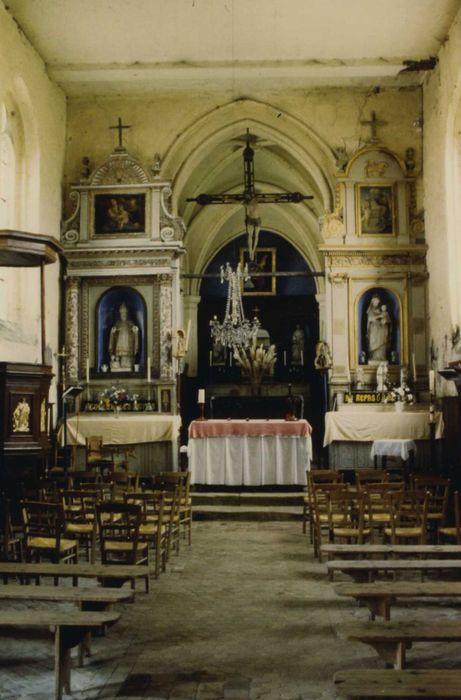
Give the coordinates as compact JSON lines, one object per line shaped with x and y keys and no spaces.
{"x":249,"y":452}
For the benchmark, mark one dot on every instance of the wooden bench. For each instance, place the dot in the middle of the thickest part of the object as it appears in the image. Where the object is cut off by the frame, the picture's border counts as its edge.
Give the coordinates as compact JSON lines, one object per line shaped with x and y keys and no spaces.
{"x":364,"y":570}
{"x":94,"y":598}
{"x":379,"y":596}
{"x":70,"y":628}
{"x":391,"y":639}
{"x":354,"y":551}
{"x":367,"y":683}
{"x":111,"y":574}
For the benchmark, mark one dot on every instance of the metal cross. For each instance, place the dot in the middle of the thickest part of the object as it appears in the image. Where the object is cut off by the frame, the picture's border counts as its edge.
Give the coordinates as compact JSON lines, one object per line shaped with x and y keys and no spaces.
{"x":120,"y":128}
{"x":373,"y":123}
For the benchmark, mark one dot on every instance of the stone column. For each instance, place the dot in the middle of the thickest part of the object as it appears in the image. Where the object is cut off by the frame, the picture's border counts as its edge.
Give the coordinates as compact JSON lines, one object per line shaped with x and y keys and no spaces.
{"x":321,"y":301}
{"x":166,"y":327}
{"x":190,"y":314}
{"x":72,"y":326}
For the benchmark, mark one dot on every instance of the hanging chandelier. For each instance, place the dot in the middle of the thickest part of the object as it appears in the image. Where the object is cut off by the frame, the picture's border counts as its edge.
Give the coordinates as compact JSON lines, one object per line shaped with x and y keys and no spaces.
{"x":235,"y":330}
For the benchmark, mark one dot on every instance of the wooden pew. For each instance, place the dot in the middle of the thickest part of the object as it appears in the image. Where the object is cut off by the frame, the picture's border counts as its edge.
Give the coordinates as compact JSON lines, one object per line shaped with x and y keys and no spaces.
{"x":379,"y":596}
{"x":93,"y":598}
{"x":391,"y":639}
{"x":355,"y":551}
{"x":367,"y":683}
{"x":70,"y":628}
{"x":364,"y":570}
{"x":114,"y":574}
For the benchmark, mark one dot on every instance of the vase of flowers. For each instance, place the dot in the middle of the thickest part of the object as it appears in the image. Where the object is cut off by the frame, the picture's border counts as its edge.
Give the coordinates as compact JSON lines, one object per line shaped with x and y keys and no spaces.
{"x":255,"y":361}
{"x":400,"y":396}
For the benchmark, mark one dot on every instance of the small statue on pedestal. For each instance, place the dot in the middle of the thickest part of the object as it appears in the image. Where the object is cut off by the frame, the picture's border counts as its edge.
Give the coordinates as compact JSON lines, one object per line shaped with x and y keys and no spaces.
{"x":381,"y":376}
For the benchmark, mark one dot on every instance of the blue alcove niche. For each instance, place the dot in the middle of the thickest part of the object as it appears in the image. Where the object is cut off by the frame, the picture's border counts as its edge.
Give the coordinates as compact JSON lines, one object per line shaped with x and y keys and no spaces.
{"x":107,"y":314}
{"x":391,"y":300}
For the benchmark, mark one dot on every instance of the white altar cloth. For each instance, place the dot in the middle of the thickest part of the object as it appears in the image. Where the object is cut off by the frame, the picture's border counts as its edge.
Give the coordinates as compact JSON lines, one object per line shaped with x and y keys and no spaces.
{"x":393,"y":448}
{"x":367,"y":425}
{"x":126,"y":429}
{"x":252,"y":461}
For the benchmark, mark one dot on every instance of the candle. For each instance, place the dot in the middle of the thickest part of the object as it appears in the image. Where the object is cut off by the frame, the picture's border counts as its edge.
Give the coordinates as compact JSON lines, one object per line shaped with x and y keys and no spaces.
{"x":211,"y":357}
{"x":230,"y":359}
{"x":201,"y":396}
{"x":87,"y":370}
{"x":284,"y":358}
{"x":432,"y":414}
{"x":188,"y":335}
{"x":148,"y":370}
{"x":432,"y":381}
{"x":302,"y":357}
{"x":413,"y":363}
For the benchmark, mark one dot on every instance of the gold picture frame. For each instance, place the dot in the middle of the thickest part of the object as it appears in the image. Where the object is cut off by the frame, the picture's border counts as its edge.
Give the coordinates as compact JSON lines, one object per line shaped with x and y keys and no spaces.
{"x":120,"y":214}
{"x":376,"y":209}
{"x":264,"y":262}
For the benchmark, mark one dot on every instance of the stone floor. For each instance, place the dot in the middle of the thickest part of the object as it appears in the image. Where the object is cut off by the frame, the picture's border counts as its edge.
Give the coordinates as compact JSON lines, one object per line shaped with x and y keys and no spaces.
{"x":245,"y":614}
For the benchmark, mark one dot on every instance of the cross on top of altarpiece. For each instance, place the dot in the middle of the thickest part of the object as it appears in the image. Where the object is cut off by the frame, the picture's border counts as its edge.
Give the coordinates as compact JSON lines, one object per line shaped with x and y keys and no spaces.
{"x":373,"y":123}
{"x":120,"y":127}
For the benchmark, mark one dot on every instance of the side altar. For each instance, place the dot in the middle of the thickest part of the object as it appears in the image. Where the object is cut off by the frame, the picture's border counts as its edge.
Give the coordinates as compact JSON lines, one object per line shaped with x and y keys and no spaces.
{"x":123,"y":314}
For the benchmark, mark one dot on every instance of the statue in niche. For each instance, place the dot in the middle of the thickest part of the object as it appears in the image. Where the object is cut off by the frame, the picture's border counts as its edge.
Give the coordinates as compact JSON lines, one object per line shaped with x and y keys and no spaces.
{"x":323,"y":359}
{"x":21,"y":416}
{"x":123,"y":342}
{"x":297,"y":346}
{"x":379,"y":330}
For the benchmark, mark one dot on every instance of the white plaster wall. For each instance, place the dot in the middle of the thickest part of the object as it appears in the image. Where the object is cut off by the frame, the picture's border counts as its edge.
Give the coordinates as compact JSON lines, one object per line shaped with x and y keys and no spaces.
{"x":442,"y":189}
{"x":41,"y":108}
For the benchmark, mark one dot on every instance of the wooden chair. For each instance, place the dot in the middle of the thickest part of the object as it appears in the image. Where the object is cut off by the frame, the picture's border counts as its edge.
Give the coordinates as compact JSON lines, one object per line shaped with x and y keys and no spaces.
{"x":118,"y":525}
{"x":121,"y":482}
{"x":321,"y":519}
{"x":370,"y":476}
{"x":346,"y":512}
{"x":10,"y":544}
{"x":80,"y":521}
{"x":185,"y":507}
{"x":97,"y":455}
{"x":453,"y":532}
{"x":377,"y":503}
{"x":439,"y":491}
{"x":152,"y":529}
{"x":44,"y":532}
{"x":317,"y":476}
{"x":172,"y":484}
{"x":408,"y":517}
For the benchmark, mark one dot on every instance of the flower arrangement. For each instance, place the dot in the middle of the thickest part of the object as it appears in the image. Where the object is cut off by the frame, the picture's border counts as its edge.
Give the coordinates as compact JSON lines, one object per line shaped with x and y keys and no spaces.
{"x":255,"y":361}
{"x":399,"y":394}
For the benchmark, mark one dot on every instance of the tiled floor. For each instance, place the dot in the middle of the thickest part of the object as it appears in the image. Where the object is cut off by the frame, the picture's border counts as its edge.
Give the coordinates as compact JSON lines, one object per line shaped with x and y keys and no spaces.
{"x":245,"y":614}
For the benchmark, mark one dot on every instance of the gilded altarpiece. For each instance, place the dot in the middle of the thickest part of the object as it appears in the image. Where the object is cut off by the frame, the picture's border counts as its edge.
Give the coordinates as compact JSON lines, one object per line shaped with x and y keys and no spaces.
{"x":123,"y":245}
{"x":375,"y":265}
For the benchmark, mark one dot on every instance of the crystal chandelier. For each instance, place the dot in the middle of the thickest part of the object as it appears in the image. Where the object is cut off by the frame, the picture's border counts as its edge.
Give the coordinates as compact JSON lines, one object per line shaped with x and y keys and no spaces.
{"x":235,"y":330}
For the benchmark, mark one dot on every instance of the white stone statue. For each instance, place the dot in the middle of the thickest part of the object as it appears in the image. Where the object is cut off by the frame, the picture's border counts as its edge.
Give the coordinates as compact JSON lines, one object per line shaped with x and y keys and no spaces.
{"x":123,"y":342}
{"x":381,"y":376}
{"x":379,"y":328}
{"x":21,"y":416}
{"x":297,"y":346}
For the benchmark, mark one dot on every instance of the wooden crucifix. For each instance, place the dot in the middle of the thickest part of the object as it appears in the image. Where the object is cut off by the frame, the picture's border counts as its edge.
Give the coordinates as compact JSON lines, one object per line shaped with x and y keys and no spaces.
{"x":120,"y":127}
{"x":373,"y":123}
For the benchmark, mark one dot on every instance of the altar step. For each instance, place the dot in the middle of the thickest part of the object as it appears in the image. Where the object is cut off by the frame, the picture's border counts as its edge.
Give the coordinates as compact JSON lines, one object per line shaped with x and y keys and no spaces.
{"x":238,"y":505}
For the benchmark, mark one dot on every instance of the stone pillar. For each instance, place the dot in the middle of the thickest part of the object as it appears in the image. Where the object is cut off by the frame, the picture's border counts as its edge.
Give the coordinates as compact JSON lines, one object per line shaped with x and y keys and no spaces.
{"x":166,"y":327}
{"x":190,"y":314}
{"x":321,"y":301}
{"x":72,"y":326}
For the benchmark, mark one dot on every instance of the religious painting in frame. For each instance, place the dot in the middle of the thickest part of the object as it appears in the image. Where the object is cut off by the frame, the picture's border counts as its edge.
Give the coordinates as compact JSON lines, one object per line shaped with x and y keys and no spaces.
{"x":378,"y":327}
{"x":164,"y":399}
{"x":118,"y":214}
{"x":264,"y":262}
{"x":376,"y":209}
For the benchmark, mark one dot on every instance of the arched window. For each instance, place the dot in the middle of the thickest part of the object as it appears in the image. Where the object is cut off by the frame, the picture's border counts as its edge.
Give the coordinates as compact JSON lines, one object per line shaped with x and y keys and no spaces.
{"x":7,"y":172}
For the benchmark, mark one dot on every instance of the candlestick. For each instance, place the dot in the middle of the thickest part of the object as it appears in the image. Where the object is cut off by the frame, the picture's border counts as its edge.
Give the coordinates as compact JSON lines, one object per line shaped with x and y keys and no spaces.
{"x":432,"y":382}
{"x":211,"y":358}
{"x":302,"y":357}
{"x":148,"y":370}
{"x":284,"y":358}
{"x":201,"y":396}
{"x":432,"y":414}
{"x":87,"y":370}
{"x":413,"y":363}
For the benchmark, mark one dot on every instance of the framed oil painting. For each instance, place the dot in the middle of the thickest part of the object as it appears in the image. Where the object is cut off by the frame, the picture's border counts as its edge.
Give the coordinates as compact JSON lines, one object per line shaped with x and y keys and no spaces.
{"x":376,"y":210}
{"x":118,"y":214}
{"x":264,"y":262}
